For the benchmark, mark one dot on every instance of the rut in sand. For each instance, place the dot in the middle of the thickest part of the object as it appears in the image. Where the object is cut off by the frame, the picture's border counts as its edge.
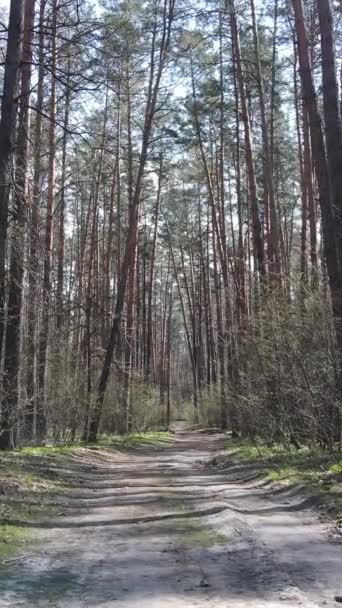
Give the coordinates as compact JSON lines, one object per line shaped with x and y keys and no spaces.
{"x":158,"y":526}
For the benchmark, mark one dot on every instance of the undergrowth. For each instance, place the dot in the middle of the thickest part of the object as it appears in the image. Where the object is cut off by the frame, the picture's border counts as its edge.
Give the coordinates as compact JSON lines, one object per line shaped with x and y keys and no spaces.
{"x":317,"y":470}
{"x":105,"y":441}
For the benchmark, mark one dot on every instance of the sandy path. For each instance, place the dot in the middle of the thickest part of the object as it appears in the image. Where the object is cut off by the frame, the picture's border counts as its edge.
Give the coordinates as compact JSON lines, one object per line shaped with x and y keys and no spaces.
{"x":157,"y":527}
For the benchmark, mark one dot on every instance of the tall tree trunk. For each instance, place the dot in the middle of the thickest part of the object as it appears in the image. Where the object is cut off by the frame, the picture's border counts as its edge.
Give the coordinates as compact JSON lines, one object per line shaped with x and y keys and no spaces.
{"x":33,"y":264}
{"x":240,"y":265}
{"x":61,"y":235}
{"x":254,"y":200}
{"x":311,"y":205}
{"x":331,"y":249}
{"x":220,"y":340}
{"x":46,"y":292}
{"x":132,"y":209}
{"x":151,"y":275}
{"x":168,"y":366}
{"x":318,"y":151}
{"x":127,"y":415}
{"x":332,"y":118}
{"x":306,"y":173}
{"x":275,"y":266}
{"x":91,"y":266}
{"x":12,"y":338}
{"x":333,"y":138}
{"x":188,"y":338}
{"x":7,"y":138}
{"x":304,"y":186}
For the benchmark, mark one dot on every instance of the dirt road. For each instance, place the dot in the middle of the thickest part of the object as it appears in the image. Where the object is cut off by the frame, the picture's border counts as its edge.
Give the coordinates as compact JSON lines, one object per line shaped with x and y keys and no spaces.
{"x":158,"y":527}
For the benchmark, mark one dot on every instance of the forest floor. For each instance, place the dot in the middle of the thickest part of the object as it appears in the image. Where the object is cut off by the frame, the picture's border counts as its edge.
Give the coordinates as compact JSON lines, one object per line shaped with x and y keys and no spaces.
{"x":160,"y":524}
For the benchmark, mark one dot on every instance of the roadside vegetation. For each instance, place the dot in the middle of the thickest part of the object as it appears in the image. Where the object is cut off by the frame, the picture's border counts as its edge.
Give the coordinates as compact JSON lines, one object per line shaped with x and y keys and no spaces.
{"x":106,"y":441}
{"x":318,"y":472}
{"x":25,"y":495}
{"x":32,"y":482}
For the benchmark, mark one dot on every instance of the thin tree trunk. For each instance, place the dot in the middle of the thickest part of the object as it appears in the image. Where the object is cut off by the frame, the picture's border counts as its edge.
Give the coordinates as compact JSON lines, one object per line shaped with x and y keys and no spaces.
{"x":61,"y":235}
{"x":151,"y":108}
{"x":188,"y":338}
{"x":151,"y":275}
{"x":46,"y":294}
{"x":168,"y":369}
{"x":254,"y":201}
{"x":275,"y":266}
{"x":33,"y":265}
{"x":304,"y":188}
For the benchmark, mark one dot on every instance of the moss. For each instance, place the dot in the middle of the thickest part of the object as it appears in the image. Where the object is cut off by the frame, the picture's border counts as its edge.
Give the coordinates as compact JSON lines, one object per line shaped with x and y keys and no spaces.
{"x":12,"y":539}
{"x":336,"y":467}
{"x":13,"y":536}
{"x":205,"y":538}
{"x":29,"y":507}
{"x":197,"y":535}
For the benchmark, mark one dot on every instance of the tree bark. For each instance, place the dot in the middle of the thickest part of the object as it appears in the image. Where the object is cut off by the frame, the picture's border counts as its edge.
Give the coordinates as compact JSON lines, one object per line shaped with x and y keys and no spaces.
{"x":46,"y":292}
{"x":254,"y":200}
{"x":332,"y":119}
{"x":33,"y":264}
{"x":7,"y":136}
{"x":275,"y":261}
{"x":151,"y":276}
{"x":61,"y":235}
{"x":14,"y":314}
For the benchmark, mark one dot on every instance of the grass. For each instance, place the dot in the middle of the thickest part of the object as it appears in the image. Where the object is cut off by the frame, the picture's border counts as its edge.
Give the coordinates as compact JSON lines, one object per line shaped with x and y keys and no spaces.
{"x":198,"y":536}
{"x":307,"y":463}
{"x":12,"y":539}
{"x":47,"y":450}
{"x":13,"y":536}
{"x":193,"y":533}
{"x":26,"y":493}
{"x":318,"y":471}
{"x":25,"y":498}
{"x":150,"y":438}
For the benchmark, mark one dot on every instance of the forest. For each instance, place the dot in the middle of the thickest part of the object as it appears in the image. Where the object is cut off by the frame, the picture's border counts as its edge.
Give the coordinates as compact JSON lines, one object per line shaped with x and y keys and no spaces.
{"x":171,"y":219}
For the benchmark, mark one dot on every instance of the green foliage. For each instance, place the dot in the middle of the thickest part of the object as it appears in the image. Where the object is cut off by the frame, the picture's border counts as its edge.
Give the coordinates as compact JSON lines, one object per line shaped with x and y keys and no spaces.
{"x":320,"y":473}
{"x":136,"y":440}
{"x":12,"y":539}
{"x":106,"y":441}
{"x":336,"y":467}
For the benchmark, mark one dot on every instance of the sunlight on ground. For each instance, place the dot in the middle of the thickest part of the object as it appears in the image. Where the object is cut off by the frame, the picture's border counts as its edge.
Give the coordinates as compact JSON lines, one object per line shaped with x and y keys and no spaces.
{"x":173,"y":601}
